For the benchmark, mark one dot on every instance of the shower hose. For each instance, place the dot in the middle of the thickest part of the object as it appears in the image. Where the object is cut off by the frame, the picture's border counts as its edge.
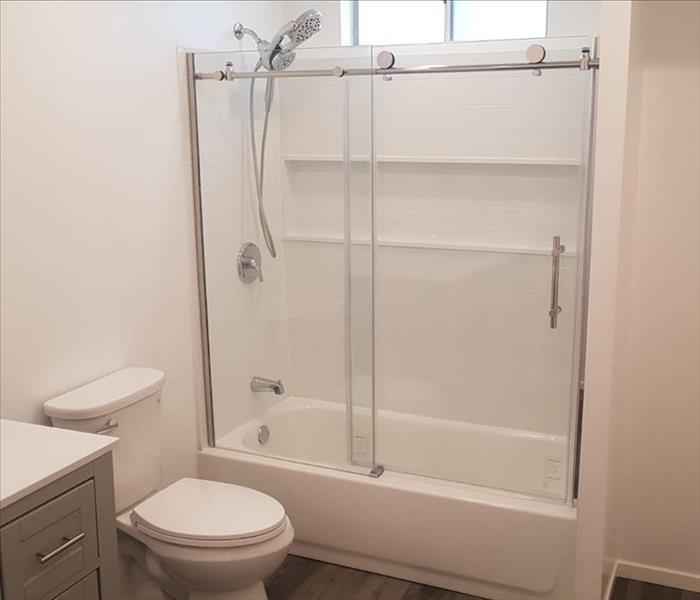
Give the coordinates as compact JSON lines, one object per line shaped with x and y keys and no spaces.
{"x":259,"y":166}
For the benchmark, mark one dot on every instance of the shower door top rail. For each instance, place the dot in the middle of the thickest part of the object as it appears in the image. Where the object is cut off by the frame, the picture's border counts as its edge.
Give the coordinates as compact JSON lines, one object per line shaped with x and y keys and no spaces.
{"x":584,"y":63}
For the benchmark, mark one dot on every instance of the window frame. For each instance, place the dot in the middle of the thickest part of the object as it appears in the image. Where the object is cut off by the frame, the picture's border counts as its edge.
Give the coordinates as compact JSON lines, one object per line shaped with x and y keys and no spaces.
{"x":449,"y":21}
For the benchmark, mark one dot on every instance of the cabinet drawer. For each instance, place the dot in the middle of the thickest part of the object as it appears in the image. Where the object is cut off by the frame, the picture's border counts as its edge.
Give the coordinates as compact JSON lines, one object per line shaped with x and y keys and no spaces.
{"x":85,"y":589}
{"x":45,"y":548}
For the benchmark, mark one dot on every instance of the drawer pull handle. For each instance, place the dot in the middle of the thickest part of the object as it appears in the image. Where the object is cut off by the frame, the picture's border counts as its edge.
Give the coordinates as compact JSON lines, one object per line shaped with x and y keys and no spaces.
{"x":44,"y":558}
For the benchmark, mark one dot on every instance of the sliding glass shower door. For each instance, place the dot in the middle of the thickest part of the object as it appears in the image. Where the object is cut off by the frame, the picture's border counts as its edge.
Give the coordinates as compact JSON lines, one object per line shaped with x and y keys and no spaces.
{"x":423,"y":312}
{"x":305,"y":319}
{"x":479,"y":202}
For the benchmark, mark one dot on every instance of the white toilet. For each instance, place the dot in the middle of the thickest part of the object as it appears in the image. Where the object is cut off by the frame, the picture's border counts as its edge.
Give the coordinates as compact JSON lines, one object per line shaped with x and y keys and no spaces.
{"x":196,"y":539}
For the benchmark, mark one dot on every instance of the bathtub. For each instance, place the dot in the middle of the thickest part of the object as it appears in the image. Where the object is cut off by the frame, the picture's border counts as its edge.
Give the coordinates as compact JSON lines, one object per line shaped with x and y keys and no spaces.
{"x":314,"y":431}
{"x":464,"y":537}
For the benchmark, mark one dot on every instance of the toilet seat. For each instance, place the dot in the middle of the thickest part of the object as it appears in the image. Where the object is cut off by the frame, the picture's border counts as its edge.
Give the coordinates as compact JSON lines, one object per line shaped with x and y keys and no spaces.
{"x":209,"y":514}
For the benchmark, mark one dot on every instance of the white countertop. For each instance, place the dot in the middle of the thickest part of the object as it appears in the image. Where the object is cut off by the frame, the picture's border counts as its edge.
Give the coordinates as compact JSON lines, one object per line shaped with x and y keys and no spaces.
{"x":32,"y":456}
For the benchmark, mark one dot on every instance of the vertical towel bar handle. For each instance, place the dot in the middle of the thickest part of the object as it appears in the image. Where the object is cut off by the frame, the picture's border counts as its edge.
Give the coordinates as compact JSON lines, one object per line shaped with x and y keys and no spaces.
{"x":554,"y":309}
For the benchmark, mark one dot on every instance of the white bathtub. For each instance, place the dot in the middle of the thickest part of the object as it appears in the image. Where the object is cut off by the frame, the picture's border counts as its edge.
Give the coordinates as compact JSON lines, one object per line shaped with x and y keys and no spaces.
{"x":314,"y":431}
{"x":454,"y":535}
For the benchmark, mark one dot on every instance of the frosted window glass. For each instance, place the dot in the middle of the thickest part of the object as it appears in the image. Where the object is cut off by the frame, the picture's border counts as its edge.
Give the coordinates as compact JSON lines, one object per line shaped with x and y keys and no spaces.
{"x":383,"y":22}
{"x":499,"y":19}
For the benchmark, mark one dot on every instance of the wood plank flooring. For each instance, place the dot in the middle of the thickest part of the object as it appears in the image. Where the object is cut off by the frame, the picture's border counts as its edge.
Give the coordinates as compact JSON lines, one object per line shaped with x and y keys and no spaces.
{"x":629,"y":589}
{"x":304,"y":579}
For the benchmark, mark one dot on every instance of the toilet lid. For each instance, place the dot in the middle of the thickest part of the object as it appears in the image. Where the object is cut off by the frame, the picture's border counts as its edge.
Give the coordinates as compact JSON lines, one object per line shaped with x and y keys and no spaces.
{"x":200,"y":510}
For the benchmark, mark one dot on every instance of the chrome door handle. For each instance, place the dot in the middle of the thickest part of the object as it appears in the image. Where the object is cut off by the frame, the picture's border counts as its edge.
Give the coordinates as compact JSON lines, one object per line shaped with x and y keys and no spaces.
{"x":554,"y":309}
{"x":46,"y":557}
{"x":110,"y":425}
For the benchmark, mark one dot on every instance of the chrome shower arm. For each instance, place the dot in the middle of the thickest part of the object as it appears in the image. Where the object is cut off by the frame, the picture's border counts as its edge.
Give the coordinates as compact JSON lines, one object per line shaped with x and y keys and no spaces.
{"x":239,"y":31}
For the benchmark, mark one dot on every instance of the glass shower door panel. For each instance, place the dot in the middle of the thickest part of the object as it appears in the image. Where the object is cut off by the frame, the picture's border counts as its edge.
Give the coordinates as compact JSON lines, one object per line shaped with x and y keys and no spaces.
{"x":304,"y":322}
{"x":359,"y":254}
{"x":476,"y":175}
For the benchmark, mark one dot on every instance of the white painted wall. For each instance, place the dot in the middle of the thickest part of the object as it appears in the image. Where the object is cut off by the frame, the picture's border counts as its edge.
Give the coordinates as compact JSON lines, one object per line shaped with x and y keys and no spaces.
{"x":611,"y":111}
{"x":573,"y":17}
{"x":97,"y":244}
{"x":655,"y":451}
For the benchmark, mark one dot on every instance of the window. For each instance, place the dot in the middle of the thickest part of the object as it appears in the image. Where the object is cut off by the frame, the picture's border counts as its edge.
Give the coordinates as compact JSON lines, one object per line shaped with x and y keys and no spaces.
{"x":498,"y":20}
{"x":414,"y":22}
{"x":381,"y":22}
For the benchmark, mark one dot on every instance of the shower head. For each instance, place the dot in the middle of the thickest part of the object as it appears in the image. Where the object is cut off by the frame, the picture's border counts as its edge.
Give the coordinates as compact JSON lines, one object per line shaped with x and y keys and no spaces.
{"x":304,"y":26}
{"x":283,"y":60}
{"x":277,"y":55}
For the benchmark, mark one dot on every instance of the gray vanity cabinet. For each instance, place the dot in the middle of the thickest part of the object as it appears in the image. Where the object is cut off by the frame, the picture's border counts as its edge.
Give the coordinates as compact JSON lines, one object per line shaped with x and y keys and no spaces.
{"x":59,"y":542}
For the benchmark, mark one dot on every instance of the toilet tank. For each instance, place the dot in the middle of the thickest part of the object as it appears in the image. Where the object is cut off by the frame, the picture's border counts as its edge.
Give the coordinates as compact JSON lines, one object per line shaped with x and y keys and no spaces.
{"x":124,"y":405}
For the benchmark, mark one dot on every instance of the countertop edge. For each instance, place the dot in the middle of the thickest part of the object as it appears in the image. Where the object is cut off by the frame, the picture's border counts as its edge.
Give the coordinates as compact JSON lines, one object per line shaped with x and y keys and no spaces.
{"x":110,"y":442}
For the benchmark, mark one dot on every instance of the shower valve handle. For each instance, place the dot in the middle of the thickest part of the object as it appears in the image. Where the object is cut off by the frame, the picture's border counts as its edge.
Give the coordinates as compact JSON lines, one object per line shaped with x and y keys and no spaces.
{"x":249,"y":263}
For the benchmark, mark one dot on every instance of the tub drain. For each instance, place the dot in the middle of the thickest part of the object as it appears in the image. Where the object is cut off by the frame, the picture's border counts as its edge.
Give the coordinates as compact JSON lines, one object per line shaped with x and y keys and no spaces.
{"x":263,"y":435}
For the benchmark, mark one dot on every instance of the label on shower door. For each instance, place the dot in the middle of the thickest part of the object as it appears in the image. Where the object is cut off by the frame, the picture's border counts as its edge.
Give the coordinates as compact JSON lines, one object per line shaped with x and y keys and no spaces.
{"x":360,"y":445}
{"x":554,"y":468}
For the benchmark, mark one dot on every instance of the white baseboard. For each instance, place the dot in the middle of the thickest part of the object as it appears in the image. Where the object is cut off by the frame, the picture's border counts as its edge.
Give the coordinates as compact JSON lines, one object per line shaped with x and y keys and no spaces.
{"x":652,"y":574}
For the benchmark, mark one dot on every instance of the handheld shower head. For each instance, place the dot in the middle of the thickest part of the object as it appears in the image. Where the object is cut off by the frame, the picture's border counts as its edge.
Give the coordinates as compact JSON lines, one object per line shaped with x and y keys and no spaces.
{"x":278,"y":55}
{"x":306,"y":25}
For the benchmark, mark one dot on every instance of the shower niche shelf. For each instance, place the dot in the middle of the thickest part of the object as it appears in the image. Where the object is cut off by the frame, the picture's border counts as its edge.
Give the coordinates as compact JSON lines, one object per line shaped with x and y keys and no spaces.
{"x":428,"y":245}
{"x":467,"y":160}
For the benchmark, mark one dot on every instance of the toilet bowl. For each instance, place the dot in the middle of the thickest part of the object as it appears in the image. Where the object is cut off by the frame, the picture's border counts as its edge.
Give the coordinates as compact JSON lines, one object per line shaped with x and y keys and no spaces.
{"x":223,"y":551}
{"x":197,"y":539}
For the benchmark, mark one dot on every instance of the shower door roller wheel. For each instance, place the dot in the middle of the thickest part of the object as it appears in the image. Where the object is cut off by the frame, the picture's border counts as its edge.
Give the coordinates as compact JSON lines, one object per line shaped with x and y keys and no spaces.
{"x":385,"y":59}
{"x":535,"y":53}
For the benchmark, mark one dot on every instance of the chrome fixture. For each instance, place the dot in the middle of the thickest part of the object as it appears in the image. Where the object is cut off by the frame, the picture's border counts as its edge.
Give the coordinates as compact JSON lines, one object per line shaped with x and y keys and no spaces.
{"x":249,"y":263}
{"x":263,"y":435}
{"x":557,"y":250}
{"x":67,"y":543}
{"x":262,"y":384}
{"x":535,"y":53}
{"x":376,"y":471}
{"x":385,"y":59}
{"x":110,"y":425}
{"x":585,"y":59}
{"x":584,"y":63}
{"x":275,"y":56}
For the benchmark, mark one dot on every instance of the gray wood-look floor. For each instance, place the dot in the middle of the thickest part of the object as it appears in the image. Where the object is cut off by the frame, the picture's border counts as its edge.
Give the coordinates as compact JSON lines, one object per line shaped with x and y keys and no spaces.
{"x":629,"y":589}
{"x":304,"y":579}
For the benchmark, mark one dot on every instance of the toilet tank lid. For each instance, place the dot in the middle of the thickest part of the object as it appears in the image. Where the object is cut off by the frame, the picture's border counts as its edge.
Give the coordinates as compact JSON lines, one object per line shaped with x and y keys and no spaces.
{"x":106,"y":395}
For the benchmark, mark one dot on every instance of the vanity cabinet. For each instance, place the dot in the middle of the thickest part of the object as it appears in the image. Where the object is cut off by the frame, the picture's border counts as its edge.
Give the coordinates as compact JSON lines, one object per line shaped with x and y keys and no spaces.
{"x":59,"y":542}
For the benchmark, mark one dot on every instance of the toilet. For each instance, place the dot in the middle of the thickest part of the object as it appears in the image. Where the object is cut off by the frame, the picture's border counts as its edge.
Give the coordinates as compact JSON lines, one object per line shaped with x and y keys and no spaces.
{"x":196,"y":539}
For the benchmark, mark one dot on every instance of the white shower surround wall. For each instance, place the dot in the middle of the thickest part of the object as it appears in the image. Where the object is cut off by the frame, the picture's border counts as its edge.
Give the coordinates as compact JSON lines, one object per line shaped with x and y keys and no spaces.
{"x":490,"y":275}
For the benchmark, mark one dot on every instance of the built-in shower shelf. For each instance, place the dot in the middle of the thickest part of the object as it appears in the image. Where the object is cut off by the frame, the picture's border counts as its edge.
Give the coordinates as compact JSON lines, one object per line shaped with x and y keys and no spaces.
{"x":429,"y":245}
{"x":473,"y":160}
